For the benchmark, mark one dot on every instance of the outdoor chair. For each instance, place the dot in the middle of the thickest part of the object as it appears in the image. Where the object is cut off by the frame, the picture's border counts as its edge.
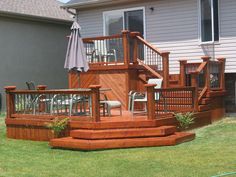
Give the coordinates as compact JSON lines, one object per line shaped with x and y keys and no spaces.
{"x":102,"y":53}
{"x":142,"y":97}
{"x":62,"y":102}
{"x":33,"y":101}
{"x":110,"y":104}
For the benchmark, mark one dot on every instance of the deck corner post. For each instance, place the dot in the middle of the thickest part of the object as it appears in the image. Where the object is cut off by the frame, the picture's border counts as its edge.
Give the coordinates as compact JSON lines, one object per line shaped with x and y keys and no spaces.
{"x":95,"y":96}
{"x":126,"y":46}
{"x":150,"y":101}
{"x":222,"y":72}
{"x":182,"y":64}
{"x":10,"y":106}
{"x":165,"y":65}
{"x":207,"y":72}
{"x":42,"y":106}
{"x":194,"y":83}
{"x":134,"y":35}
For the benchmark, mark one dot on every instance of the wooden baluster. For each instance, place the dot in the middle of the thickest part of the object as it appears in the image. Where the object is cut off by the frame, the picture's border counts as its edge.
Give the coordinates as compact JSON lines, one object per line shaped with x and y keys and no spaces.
{"x":182,"y":72}
{"x":126,"y":46}
{"x":95,"y":102}
{"x":222,"y":73}
{"x":10,"y":100}
{"x":150,"y":101}
{"x":165,"y":65}
{"x":43,"y":97}
{"x":194,"y":83}
{"x":207,"y":72}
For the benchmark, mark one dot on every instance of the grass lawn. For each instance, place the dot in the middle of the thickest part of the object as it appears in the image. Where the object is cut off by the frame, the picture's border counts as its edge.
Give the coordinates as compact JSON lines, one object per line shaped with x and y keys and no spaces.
{"x":212,"y":152}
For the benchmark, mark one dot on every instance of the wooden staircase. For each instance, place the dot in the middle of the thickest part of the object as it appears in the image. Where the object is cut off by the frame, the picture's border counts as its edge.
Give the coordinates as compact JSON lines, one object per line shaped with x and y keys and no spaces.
{"x":125,"y":136}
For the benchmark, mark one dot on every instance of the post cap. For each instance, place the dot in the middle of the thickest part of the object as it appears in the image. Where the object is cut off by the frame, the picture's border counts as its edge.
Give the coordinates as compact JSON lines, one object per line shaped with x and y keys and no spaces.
{"x":206,"y":58}
{"x":150,"y":85}
{"x":183,"y":61}
{"x":94,"y":86}
{"x":9,"y":88}
{"x":41,"y":87}
{"x":221,"y":59}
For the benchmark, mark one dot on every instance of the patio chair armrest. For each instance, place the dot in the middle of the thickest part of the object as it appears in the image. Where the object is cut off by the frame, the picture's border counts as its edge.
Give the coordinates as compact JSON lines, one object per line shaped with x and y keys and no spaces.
{"x":138,"y":95}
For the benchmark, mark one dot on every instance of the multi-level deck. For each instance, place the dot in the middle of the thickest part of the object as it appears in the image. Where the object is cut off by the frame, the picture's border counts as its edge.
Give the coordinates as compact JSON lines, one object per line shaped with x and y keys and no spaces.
{"x":121,"y":63}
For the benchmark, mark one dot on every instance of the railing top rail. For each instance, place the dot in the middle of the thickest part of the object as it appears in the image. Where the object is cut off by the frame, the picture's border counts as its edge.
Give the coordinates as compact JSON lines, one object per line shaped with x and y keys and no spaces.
{"x":149,"y":45}
{"x":176,"y":89}
{"x":102,"y":38}
{"x":195,"y":63}
{"x":59,"y":91}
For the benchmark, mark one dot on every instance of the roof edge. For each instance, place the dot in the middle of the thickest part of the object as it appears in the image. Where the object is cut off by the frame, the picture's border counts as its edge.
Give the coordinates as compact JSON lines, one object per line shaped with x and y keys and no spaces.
{"x":35,"y":18}
{"x":95,"y":3}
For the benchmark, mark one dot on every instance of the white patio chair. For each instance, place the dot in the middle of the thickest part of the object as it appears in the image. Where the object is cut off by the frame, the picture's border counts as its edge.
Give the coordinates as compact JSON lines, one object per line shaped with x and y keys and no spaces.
{"x":110,"y":104}
{"x":142,"y":98}
{"x":102,"y":53}
{"x":59,"y":102}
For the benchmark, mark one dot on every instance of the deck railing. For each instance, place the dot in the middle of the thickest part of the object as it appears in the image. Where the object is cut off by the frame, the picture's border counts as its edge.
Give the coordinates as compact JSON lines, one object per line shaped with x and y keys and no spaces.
{"x":205,"y":77}
{"x":182,"y":99}
{"x":124,"y":50}
{"x":104,"y":50}
{"x":53,"y":103}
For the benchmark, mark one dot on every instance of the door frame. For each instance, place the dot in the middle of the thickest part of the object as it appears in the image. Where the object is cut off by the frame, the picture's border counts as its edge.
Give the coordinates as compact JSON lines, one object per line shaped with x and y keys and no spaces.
{"x":122,"y":11}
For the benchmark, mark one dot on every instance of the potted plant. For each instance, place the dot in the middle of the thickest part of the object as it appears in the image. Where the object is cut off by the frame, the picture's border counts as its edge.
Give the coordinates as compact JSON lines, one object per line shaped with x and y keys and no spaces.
{"x":184,"y":119}
{"x":58,"y":126}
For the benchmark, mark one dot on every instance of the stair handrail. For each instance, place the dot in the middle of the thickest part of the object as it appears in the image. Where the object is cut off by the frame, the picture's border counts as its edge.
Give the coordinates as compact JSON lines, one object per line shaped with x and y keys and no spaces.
{"x":149,"y":69}
{"x":156,"y":57}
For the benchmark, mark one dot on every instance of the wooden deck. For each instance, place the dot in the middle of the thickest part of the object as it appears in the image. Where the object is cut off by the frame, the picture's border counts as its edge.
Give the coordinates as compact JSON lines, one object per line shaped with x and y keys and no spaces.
{"x":198,"y":88}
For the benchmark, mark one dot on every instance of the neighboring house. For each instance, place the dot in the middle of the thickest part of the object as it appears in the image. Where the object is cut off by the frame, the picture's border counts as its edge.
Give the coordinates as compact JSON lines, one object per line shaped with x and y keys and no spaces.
{"x":188,"y":29}
{"x":33,"y":43}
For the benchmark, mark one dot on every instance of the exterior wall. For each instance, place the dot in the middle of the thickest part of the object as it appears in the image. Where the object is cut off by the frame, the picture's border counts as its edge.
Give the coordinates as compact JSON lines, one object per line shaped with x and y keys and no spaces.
{"x":32,"y":51}
{"x":174,"y":26}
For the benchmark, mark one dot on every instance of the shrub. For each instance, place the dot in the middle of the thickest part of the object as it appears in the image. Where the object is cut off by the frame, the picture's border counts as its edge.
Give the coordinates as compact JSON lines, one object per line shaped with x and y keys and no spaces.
{"x":185,"y":119}
{"x":58,"y":125}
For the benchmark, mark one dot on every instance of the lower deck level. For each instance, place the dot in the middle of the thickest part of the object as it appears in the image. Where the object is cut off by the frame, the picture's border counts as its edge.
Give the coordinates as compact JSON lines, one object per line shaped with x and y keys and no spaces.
{"x":111,"y":132}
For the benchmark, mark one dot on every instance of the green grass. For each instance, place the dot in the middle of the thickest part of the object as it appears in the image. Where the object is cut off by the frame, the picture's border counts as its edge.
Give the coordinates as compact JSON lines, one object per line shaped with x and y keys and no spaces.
{"x":212,"y":152}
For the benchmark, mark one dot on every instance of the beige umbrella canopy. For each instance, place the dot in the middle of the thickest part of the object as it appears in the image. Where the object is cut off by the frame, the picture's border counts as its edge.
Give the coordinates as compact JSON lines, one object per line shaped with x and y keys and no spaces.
{"x":76,"y":54}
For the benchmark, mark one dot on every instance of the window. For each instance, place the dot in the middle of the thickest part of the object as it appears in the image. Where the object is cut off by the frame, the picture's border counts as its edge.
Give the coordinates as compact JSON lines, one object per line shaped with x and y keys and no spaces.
{"x":209,"y":20}
{"x":117,"y":20}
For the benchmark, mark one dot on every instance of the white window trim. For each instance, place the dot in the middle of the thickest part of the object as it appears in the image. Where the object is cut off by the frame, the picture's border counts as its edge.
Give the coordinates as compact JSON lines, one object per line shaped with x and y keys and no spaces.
{"x":123,"y":10}
{"x":200,"y":24}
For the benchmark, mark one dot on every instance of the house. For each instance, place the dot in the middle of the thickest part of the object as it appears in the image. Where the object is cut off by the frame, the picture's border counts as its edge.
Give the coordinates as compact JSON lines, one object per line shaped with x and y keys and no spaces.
{"x":188,"y":29}
{"x":33,"y":43}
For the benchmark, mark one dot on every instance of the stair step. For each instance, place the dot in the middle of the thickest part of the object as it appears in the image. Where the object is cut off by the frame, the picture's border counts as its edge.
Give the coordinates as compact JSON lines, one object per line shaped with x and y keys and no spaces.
{"x":81,"y":144}
{"x":205,"y":101}
{"x":204,"y":107}
{"x":123,"y":133}
{"x":167,"y":120}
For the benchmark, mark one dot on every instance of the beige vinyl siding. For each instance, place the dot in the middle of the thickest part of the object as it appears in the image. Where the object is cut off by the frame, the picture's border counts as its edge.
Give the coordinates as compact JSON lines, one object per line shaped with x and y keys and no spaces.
{"x":174,"y":26}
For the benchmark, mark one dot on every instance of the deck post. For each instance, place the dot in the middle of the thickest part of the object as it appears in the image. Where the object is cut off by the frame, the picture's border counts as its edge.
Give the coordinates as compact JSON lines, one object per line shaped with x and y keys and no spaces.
{"x":42,"y":104}
{"x":95,"y":102}
{"x":126,"y":47}
{"x":182,"y":72}
{"x":135,"y":46}
{"x":10,"y":100}
{"x":194,"y":83}
{"x":222,"y":72}
{"x":150,"y":101}
{"x":165,"y":65}
{"x":207,"y":72}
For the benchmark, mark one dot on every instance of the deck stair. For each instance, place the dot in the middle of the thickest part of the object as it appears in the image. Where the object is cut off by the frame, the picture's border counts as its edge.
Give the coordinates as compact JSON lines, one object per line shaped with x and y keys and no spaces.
{"x":95,"y":139}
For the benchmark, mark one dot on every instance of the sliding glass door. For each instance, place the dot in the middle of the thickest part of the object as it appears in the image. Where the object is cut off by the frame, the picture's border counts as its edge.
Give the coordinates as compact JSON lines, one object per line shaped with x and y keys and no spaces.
{"x":116,"y":21}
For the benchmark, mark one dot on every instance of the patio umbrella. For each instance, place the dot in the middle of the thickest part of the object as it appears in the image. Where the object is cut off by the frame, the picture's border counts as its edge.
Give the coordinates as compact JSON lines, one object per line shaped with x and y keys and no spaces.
{"x":76,"y":55}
